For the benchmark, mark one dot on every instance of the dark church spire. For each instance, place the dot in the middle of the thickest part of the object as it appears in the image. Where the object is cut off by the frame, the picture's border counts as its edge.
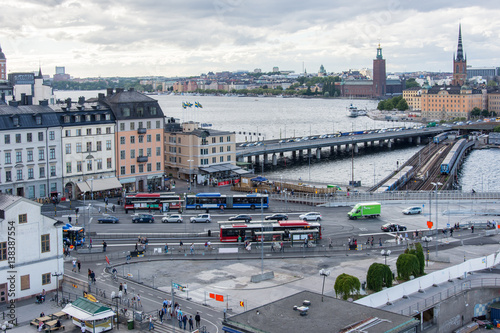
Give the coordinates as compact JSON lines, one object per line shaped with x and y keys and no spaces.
{"x":460,"y":50}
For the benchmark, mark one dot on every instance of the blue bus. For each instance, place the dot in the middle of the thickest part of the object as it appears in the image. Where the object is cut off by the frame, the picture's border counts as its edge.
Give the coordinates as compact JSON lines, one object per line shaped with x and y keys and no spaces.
{"x":217,"y":200}
{"x":73,"y":235}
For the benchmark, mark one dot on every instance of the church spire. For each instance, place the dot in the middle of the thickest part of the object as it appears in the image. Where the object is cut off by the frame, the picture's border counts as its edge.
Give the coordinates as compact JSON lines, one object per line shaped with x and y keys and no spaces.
{"x":460,"y":51}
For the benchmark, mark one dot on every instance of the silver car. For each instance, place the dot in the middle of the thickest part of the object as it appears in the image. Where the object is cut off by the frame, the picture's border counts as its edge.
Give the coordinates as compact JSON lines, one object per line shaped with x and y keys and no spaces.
{"x":172,"y":218}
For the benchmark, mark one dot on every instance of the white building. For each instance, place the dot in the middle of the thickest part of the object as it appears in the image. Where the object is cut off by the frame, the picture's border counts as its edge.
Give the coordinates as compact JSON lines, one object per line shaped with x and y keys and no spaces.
{"x":31,"y":249}
{"x":30,"y":89}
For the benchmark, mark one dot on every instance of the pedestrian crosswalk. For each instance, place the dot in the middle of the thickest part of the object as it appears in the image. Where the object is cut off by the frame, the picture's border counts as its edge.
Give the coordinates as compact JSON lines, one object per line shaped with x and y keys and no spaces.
{"x":166,"y":327}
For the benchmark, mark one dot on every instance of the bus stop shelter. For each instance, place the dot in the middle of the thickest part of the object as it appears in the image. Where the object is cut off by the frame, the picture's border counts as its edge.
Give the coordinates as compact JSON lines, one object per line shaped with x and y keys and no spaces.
{"x":95,"y":316}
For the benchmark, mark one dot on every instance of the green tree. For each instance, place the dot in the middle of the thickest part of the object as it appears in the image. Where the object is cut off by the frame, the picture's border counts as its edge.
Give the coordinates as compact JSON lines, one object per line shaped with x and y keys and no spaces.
{"x":476,"y":112}
{"x":381,"y":105}
{"x":485,"y":113}
{"x":492,"y":83}
{"x":496,"y":129}
{"x":410,"y":83}
{"x":418,"y":251}
{"x":346,"y":285}
{"x":407,"y":264}
{"x":402,"y":105}
{"x":378,"y":276}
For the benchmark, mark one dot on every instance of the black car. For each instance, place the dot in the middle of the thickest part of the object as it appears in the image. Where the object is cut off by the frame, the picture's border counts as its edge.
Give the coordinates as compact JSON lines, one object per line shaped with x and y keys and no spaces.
{"x":240,"y":217}
{"x":277,"y":217}
{"x":143,"y":218}
{"x":108,"y":219}
{"x":393,"y":227}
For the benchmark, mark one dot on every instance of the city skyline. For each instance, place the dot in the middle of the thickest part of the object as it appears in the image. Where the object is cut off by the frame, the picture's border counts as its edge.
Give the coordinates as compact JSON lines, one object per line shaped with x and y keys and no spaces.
{"x":171,"y":39}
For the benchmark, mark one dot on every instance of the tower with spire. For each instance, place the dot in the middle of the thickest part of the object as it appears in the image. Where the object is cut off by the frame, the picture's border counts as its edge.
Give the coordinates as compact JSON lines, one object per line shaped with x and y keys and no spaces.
{"x":3,"y":66}
{"x":459,"y":62}
{"x":379,"y":74}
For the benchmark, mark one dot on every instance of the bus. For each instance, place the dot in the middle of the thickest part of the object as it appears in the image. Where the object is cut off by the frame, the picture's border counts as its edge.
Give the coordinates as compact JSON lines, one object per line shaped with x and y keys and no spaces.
{"x":216,"y":200}
{"x":73,"y":235}
{"x":270,"y":231}
{"x":163,"y":202}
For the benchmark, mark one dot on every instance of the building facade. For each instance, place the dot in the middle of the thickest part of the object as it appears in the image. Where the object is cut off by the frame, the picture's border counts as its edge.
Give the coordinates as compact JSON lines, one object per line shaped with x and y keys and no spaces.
{"x":29,"y":88}
{"x":3,"y":66}
{"x":379,"y":74}
{"x":449,"y":102}
{"x":37,"y":253}
{"x":413,"y":98}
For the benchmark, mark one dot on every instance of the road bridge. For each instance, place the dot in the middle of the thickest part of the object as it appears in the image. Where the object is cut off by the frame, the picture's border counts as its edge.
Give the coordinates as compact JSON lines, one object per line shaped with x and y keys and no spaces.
{"x":352,"y":141}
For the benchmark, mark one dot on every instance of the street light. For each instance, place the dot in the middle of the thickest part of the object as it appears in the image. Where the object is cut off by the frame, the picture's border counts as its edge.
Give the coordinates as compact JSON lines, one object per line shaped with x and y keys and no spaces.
{"x":385,"y":254}
{"x":427,"y":240}
{"x":113,"y":297}
{"x":437,"y":230}
{"x":324,"y":273}
{"x":57,"y":275}
{"x":189,"y":187}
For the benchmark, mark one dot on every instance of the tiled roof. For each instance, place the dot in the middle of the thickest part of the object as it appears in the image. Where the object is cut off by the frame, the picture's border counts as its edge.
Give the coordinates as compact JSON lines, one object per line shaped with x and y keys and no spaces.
{"x":6,"y":200}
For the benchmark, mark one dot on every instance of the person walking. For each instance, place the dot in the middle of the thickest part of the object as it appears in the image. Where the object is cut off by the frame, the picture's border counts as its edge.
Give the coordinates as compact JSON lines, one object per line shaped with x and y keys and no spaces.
{"x":90,"y":243}
{"x":184,"y":320}
{"x":151,"y":326}
{"x":166,"y":248}
{"x":125,"y":288}
{"x":160,"y":314}
{"x":197,"y":319}
{"x":120,"y":287}
{"x":282,"y":247}
{"x":191,"y":248}
{"x":190,"y":323}
{"x":104,"y":246}
{"x":472,"y":229}
{"x":139,"y":300}
{"x":380,"y":241}
{"x":79,"y":265}
{"x":74,"y":266}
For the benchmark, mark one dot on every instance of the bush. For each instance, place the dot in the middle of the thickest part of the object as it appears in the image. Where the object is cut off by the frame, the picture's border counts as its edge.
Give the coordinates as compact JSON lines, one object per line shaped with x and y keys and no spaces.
{"x":407,"y":264}
{"x":346,"y":285}
{"x":418,"y":251}
{"x":378,"y":277}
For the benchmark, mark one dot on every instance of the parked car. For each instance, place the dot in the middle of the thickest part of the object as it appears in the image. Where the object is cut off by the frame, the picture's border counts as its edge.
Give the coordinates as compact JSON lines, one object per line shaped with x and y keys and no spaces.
{"x":311,"y":216}
{"x":108,"y":219}
{"x":240,"y":217}
{"x":412,"y":210}
{"x":393,"y":227}
{"x":172,"y":218}
{"x":201,"y":218}
{"x":143,"y":218}
{"x":277,"y":217}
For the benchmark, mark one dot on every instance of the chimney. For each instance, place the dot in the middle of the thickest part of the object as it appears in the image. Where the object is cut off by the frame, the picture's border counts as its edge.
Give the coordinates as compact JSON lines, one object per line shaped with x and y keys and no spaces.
{"x":44,"y":102}
{"x":23,"y":99}
{"x":119,"y":90}
{"x":68,"y":103}
{"x":100,"y":96}
{"x":81,"y":100}
{"x":109,"y":91}
{"x":3,"y":97}
{"x":13,"y":103}
{"x":130,"y":89}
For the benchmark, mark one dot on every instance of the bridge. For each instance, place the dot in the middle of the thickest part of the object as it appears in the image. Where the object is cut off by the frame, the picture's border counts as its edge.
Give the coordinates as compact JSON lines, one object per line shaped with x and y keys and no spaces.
{"x":350,"y":141}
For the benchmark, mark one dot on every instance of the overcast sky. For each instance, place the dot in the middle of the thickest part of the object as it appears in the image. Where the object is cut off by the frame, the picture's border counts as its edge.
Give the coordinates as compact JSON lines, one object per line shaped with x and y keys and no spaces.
{"x":183,"y":38}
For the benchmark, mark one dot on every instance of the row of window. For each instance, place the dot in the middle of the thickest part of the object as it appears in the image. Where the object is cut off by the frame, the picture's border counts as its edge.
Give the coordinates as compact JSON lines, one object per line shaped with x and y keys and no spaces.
{"x":140,"y":138}
{"x":29,"y":155}
{"x":204,"y":151}
{"x":78,"y":131}
{"x":31,"y":173}
{"x":89,"y":164}
{"x":140,"y":124}
{"x":88,"y":117}
{"x":123,"y":154}
{"x":31,"y":190}
{"x":88,"y":146}
{"x":149,"y":168}
{"x":29,"y":137}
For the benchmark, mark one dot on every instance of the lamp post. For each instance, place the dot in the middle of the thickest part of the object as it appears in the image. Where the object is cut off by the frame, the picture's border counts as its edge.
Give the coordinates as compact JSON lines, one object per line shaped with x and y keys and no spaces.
{"x":437,"y":230}
{"x":427,"y":240}
{"x":324,"y":273}
{"x":116,"y":297}
{"x":57,"y":275}
{"x":189,"y":187}
{"x":385,"y":254}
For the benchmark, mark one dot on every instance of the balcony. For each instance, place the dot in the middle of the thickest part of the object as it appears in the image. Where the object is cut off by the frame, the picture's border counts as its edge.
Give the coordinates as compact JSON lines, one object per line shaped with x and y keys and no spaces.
{"x":142,"y":159}
{"x":141,"y":131}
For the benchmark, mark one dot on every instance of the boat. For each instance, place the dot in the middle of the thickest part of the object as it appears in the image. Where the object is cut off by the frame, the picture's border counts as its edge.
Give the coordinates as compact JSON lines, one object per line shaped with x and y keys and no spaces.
{"x":353,"y":111}
{"x":362,"y":113}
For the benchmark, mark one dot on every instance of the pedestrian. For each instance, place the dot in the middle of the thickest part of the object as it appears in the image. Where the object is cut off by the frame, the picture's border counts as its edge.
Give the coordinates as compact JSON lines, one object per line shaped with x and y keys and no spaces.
{"x":184,"y":320}
{"x":166,"y":248}
{"x":472,"y":227}
{"x":125,"y":288}
{"x":74,"y":266}
{"x":179,"y":318}
{"x":190,"y":323}
{"x":371,"y":241}
{"x":380,"y":241}
{"x":104,"y":245}
{"x":113,"y":208}
{"x":305,"y":242}
{"x":191,"y":248}
{"x":180,"y":245}
{"x":136,"y":247}
{"x":99,"y":209}
{"x":120,"y":287}
{"x":151,"y":326}
{"x":139,"y":300}
{"x":90,"y":243}
{"x":160,"y":314}
{"x":272,"y":247}
{"x":451,"y":232}
{"x":92,"y":277}
{"x":89,"y":274}
{"x":79,"y":264}
{"x":197,"y":319}
{"x":282,"y":247}
{"x":206,"y":246}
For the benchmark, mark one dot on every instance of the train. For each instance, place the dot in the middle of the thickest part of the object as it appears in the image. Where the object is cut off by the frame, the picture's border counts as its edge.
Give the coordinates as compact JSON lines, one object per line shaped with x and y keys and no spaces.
{"x":440,"y":137}
{"x":451,"y":158}
{"x":396,"y":181}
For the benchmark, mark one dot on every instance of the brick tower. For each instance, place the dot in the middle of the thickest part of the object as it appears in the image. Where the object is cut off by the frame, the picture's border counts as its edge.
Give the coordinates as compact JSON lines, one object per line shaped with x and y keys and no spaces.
{"x":3,"y":66}
{"x":379,"y":76}
{"x":459,"y":63}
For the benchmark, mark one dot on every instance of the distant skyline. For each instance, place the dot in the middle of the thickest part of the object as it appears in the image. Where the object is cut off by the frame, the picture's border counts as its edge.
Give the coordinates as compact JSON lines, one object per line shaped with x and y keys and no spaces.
{"x":171,"y":38}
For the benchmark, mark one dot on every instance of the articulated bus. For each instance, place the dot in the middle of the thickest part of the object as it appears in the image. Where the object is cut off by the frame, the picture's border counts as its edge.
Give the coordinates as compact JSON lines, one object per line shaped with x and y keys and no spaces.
{"x":271,"y":231}
{"x":73,"y":235}
{"x":163,"y":202}
{"x":217,"y":200}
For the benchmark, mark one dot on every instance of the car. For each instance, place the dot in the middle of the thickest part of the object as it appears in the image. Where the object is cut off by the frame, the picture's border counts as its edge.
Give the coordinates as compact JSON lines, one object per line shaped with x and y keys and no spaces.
{"x":277,"y":217}
{"x":393,"y":227}
{"x":243,"y":145}
{"x":324,"y":136}
{"x":108,"y":219}
{"x":172,"y":218}
{"x":311,"y":216}
{"x":143,"y":218}
{"x":282,"y":141}
{"x":412,"y":210}
{"x":305,"y":138}
{"x":201,"y":218}
{"x":240,"y":217}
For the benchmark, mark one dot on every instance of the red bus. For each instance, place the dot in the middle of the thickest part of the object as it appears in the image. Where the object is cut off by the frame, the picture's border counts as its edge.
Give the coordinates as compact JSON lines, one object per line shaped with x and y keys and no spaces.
{"x":271,"y":231}
{"x":163,"y":202}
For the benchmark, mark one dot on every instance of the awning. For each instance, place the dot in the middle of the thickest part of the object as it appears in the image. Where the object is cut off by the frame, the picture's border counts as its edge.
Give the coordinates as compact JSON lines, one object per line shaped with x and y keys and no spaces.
{"x":102,"y":184}
{"x":83,"y":186}
{"x":127,"y":180}
{"x":82,"y":315}
{"x":240,"y":171}
{"x":209,"y":169}
{"x":305,"y":231}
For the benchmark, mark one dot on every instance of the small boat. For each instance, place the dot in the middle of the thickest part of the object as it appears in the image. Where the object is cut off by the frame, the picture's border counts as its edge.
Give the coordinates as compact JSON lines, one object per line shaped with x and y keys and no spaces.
{"x":353,"y":111}
{"x":362,"y":113}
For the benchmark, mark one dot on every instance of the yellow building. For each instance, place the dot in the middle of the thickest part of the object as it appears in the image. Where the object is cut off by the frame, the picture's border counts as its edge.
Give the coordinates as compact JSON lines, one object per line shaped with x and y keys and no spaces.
{"x":412,"y":98}
{"x":494,"y":102}
{"x":449,"y":102}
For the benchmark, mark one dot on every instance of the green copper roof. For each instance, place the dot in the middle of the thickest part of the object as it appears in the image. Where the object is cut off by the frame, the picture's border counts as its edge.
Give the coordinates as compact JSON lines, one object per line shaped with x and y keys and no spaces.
{"x":89,"y":306}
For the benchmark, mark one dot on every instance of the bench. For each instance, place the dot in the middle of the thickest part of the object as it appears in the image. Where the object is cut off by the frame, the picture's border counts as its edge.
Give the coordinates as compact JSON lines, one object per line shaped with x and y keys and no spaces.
{"x":54,"y":328}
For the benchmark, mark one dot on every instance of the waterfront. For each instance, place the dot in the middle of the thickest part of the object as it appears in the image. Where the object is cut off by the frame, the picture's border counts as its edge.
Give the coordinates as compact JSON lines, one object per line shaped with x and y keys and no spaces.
{"x":276,"y":118}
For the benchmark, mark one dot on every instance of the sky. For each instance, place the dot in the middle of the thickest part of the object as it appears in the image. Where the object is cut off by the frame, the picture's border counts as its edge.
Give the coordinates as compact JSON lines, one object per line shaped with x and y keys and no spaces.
{"x":187,"y":38}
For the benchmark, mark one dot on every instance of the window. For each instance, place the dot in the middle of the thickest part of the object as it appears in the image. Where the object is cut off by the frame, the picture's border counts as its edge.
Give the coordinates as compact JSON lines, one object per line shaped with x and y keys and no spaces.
{"x":122,"y":170}
{"x":89,"y":146}
{"x":141,"y":168}
{"x":158,"y":166}
{"x":141,"y":152}
{"x":52,"y":170}
{"x":52,"y":135}
{"x":214,"y":140}
{"x":45,"y":241}
{"x":122,"y":126}
{"x":18,"y":138}
{"x":89,"y":131}
{"x":228,"y":138}
{"x":122,"y":154}
{"x":132,"y":126}
{"x":148,"y":138}
{"x":108,"y":144}
{"x":52,"y":153}
{"x":149,"y":167}
{"x":108,"y":129}
{"x":45,"y":278}
{"x":41,"y":154}
{"x":132,"y":169}
{"x":108,"y":163}
{"x":15,"y":121}
{"x":87,"y":117}
{"x":214,"y":150}
{"x":78,"y":147}
{"x":68,"y":167}
{"x":221,"y":139}
{"x":30,"y":155}
{"x":68,"y":132}
{"x":68,"y":148}
{"x":25,"y":282}
{"x":158,"y":124}
{"x":89,"y":165}
{"x":132,"y":139}
{"x":98,"y":131}
{"x":141,"y":138}
{"x":148,"y":151}
{"x":122,"y":140}
{"x":148,"y":124}
{"x":19,"y":156}
{"x":152,"y":110}
{"x":79,"y":166}
{"x":7,"y":139}
{"x":31,"y":173}
{"x":228,"y":148}
{"x":158,"y":137}
{"x":221,"y":159}
{"x":221,"y":149}
{"x":99,"y":164}
{"x":42,"y":175}
{"x":43,"y":191}
{"x":7,"y":158}
{"x":140,"y":113}
{"x":214,"y":159}
{"x":29,"y":137}
{"x":3,"y":251}
{"x":31,"y":191}
{"x":78,"y":132}
{"x":158,"y":151}
{"x":23,"y":218}
{"x":132,"y":153}
{"x":8,"y":176}
{"x":99,"y":146}
{"x":228,"y":159}
{"x":40,"y":136}
{"x":77,"y":120}
{"x":140,"y":125}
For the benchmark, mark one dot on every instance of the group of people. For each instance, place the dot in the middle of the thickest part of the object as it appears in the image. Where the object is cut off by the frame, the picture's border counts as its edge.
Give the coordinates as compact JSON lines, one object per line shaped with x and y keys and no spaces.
{"x":91,"y":276}
{"x":170,"y":311}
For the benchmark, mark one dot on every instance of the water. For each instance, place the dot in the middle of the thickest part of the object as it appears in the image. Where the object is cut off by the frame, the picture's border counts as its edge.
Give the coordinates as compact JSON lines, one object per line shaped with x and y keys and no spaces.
{"x":274,"y":118}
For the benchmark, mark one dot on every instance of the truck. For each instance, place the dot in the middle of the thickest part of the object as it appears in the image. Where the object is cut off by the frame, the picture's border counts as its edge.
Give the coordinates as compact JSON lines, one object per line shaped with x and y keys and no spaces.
{"x":369,"y":210}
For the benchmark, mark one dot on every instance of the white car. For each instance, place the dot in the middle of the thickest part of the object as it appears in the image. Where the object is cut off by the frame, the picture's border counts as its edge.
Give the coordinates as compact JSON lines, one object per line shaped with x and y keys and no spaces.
{"x":173,"y":218}
{"x":201,"y":218}
{"x":412,"y":210}
{"x":311,"y":216}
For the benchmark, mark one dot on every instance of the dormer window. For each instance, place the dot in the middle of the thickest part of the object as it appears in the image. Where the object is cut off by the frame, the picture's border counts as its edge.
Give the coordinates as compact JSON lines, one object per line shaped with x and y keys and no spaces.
{"x":97,"y":117}
{"x":66,"y":119}
{"x":16,"y":121}
{"x":77,"y":119}
{"x":87,"y":117}
{"x":108,"y":116}
{"x":38,"y":120}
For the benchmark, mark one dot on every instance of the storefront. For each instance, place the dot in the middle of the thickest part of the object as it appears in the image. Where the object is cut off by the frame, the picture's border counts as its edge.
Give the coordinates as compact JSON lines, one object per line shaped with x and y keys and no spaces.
{"x":99,"y":188}
{"x":94,"y":316}
{"x":221,"y":175}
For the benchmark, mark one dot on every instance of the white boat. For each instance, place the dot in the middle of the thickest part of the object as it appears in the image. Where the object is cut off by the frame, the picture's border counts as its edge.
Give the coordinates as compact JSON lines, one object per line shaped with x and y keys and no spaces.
{"x":362,"y":113}
{"x":353,"y":111}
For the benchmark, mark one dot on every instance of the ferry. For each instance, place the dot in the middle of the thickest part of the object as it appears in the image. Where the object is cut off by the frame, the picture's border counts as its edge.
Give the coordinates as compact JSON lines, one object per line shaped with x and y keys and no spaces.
{"x":353,"y":111}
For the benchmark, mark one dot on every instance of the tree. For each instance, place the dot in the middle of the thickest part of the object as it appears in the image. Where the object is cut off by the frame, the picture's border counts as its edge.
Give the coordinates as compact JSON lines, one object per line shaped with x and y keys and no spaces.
{"x":346,"y":285}
{"x":492,"y":83}
{"x":476,"y":112}
{"x":402,"y":105}
{"x":410,"y":83}
{"x":418,"y":251}
{"x":496,"y":129}
{"x":485,"y":113}
{"x":407,"y":264}
{"x":381,"y":105}
{"x":378,"y":276}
